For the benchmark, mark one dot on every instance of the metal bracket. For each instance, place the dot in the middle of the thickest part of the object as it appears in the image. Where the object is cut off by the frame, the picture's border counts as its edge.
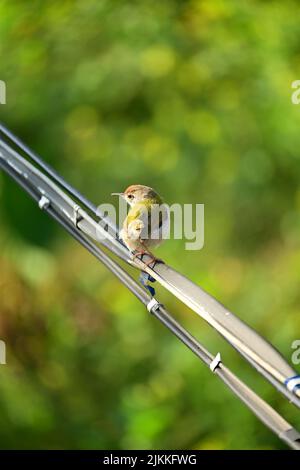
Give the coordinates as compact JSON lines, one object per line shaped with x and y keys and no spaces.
{"x":215,"y":362}
{"x":44,"y":203}
{"x":153,"y":305}
{"x":291,"y":435}
{"x":292,"y":383}
{"x":76,"y":217}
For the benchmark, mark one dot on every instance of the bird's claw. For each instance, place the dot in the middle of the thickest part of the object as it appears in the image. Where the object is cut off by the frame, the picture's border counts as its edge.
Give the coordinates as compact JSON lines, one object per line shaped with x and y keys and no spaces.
{"x":139,"y":255}
{"x":153,"y":261}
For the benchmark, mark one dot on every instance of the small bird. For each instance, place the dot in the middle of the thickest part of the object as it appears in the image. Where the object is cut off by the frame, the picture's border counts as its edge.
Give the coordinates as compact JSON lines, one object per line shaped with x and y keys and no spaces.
{"x":146,"y":221}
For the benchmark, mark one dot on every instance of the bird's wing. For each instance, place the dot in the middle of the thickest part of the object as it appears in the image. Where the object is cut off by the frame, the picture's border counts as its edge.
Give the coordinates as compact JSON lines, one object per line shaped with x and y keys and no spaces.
{"x":151,"y":217}
{"x":133,"y":215}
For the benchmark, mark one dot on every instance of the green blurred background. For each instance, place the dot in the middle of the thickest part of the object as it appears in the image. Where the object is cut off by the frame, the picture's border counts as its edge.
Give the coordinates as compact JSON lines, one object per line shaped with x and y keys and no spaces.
{"x":194,"y":99}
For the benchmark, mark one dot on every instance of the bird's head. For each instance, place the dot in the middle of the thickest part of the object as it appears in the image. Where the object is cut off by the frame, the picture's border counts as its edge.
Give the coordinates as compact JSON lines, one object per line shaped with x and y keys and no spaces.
{"x":137,"y":193}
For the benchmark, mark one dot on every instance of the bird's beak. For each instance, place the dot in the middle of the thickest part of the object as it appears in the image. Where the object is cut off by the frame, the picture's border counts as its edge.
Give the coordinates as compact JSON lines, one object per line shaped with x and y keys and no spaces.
{"x":117,"y":194}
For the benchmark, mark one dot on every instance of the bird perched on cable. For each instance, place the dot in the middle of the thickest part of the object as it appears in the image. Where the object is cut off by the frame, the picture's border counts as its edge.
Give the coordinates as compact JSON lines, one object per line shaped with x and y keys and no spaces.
{"x":146,"y":222}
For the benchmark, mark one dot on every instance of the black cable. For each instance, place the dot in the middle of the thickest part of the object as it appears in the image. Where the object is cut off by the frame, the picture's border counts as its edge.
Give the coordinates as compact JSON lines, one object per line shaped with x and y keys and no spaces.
{"x":48,"y":169}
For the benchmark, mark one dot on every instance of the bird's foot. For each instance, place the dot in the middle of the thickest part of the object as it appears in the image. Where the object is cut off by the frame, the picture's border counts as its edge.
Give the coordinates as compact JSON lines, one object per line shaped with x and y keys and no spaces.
{"x":139,"y":253}
{"x":156,"y":261}
{"x":152,"y":261}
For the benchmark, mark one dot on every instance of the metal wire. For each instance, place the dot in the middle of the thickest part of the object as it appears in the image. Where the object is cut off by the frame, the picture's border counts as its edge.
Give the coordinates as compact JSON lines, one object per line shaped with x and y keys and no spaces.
{"x":262,"y":410}
{"x":245,"y":340}
{"x":58,"y":179}
{"x":259,"y":407}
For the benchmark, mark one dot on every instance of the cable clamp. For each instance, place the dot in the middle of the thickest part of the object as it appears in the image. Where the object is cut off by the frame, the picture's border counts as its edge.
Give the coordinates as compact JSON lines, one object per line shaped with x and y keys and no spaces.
{"x":215,"y":362}
{"x":44,"y":203}
{"x":153,"y":305}
{"x":291,"y":434}
{"x":76,"y":217}
{"x":293,"y":383}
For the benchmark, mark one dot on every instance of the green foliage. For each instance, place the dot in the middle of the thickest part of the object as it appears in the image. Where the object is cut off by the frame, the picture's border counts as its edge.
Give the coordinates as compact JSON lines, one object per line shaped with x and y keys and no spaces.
{"x":194,"y":99}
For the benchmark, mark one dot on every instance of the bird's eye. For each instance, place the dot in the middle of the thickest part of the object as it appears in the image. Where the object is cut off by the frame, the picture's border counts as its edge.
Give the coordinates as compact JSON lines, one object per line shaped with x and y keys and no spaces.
{"x":130,"y":196}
